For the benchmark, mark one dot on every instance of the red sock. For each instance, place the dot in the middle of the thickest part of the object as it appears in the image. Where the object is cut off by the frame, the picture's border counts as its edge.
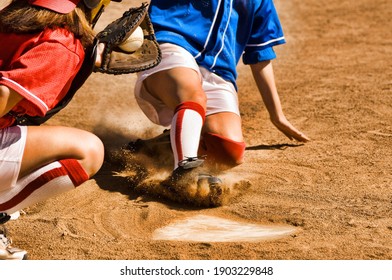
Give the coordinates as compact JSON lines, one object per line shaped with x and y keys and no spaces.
{"x":185,"y":130}
{"x":46,"y":182}
{"x":221,"y":150}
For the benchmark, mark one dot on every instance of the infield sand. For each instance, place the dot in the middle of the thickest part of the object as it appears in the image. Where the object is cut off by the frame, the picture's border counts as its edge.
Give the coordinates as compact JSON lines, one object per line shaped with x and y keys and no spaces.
{"x":335,"y":81}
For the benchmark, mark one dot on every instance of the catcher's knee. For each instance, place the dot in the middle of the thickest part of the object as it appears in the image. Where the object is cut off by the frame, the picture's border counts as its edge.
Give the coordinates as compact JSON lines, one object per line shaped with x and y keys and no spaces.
{"x":221,"y":150}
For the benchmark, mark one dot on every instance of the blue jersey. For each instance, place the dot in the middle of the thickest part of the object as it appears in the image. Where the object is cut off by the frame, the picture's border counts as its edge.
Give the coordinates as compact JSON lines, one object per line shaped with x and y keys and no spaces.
{"x":218,"y":32}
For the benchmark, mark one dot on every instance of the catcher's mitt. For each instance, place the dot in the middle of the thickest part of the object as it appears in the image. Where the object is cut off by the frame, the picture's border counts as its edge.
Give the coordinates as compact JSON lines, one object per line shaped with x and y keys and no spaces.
{"x":116,"y":61}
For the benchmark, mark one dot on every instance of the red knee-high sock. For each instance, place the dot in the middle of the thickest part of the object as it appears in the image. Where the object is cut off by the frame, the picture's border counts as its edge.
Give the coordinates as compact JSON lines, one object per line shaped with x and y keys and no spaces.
{"x":185,"y":130}
{"x":46,"y":182}
{"x":221,"y":150}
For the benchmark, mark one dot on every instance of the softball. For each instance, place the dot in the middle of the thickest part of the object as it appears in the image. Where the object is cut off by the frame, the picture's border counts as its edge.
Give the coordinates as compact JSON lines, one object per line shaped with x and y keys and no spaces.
{"x":134,"y":41}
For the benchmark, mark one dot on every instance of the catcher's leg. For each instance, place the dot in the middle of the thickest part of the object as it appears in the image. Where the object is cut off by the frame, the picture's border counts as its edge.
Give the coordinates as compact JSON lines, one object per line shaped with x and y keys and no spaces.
{"x":46,"y":144}
{"x":48,"y":181}
{"x":52,"y":163}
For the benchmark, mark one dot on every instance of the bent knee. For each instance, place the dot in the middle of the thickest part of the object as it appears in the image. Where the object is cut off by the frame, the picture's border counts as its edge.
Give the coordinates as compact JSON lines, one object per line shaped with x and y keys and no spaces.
{"x":94,"y":154}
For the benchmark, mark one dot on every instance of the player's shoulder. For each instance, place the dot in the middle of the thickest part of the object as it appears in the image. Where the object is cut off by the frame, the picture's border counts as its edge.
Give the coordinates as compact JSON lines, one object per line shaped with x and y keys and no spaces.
{"x":62,"y":37}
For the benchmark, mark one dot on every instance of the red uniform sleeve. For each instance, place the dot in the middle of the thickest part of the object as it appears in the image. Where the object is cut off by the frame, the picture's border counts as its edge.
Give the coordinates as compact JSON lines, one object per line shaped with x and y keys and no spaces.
{"x":43,"y":74}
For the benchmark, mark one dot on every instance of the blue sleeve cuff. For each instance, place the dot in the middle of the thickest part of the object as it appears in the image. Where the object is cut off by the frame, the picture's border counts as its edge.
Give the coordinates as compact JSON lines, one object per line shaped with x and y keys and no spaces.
{"x":255,"y":56}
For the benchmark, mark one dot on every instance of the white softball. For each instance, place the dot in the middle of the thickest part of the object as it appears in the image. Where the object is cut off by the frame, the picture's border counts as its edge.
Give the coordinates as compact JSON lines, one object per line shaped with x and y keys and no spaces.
{"x":134,"y":41}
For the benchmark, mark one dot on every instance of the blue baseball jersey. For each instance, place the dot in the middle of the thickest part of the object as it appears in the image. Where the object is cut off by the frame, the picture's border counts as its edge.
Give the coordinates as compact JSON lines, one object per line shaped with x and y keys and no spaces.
{"x":218,"y":32}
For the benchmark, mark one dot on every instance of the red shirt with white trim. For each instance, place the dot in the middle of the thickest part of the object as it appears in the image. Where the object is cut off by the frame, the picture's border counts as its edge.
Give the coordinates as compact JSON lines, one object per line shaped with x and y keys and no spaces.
{"x":40,"y":67}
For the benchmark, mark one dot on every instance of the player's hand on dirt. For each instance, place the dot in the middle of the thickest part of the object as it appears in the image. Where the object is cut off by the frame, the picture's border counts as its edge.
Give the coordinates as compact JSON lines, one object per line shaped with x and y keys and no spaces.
{"x":289,"y":130}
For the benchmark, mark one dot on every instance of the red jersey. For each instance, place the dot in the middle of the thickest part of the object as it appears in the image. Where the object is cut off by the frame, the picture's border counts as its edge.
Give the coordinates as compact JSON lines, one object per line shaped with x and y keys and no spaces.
{"x":40,"y":67}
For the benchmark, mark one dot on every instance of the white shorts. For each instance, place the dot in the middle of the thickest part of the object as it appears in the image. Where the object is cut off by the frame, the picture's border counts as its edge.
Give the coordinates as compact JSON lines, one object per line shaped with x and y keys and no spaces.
{"x":12,"y":145}
{"x":221,"y":94}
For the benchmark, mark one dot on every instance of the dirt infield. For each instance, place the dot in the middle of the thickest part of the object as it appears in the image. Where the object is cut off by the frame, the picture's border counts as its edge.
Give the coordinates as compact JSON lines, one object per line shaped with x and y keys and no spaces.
{"x":335,"y":81}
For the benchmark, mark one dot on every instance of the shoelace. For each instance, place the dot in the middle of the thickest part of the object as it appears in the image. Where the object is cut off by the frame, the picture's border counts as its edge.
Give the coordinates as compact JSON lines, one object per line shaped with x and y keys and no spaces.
{"x":191,"y":162}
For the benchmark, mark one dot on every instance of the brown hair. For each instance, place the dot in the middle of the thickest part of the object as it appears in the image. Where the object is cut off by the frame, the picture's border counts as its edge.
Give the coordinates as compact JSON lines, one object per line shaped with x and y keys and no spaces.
{"x":21,"y":17}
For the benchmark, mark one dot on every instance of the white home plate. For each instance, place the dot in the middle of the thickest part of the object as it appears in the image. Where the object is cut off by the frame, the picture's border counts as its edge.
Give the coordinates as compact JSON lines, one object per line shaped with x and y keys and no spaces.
{"x":202,"y":228}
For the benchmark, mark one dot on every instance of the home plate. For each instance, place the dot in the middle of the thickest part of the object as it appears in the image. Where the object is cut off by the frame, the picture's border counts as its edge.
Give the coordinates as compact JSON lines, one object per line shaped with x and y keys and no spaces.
{"x":203,"y":228}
